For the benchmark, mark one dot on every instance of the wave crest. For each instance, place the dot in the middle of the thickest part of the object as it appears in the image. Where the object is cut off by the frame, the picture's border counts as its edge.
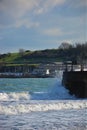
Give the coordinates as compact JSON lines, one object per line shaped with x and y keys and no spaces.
{"x":19,"y":108}
{"x":14,"y":96}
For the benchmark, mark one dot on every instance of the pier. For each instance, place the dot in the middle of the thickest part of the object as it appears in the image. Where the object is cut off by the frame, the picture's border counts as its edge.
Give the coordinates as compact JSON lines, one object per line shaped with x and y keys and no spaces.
{"x":45,"y":70}
{"x":75,"y":80}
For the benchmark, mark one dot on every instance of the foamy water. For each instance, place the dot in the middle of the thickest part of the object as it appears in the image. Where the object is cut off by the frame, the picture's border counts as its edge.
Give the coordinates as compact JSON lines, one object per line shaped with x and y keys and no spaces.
{"x":14,"y":108}
{"x":40,"y":104}
{"x":44,"y":115}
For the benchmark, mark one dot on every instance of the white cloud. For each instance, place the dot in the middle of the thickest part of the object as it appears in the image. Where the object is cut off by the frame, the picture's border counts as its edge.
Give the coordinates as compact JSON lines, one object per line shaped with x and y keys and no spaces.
{"x":27,"y":23}
{"x":53,"y":3}
{"x":17,"y":8}
{"x":57,"y":32}
{"x":46,"y":5}
{"x":12,"y":11}
{"x":53,"y":32}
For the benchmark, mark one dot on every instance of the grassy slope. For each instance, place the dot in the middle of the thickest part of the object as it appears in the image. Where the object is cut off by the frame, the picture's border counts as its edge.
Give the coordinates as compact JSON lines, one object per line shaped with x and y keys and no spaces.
{"x":17,"y":58}
{"x":10,"y":58}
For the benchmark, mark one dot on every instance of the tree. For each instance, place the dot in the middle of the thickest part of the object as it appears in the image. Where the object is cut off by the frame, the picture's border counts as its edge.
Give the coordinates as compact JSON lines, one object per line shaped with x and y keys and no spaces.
{"x":65,"y":45}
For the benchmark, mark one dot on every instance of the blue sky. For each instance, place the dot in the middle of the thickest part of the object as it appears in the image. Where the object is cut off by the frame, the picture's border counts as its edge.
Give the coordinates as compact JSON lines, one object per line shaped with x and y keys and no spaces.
{"x":41,"y":24}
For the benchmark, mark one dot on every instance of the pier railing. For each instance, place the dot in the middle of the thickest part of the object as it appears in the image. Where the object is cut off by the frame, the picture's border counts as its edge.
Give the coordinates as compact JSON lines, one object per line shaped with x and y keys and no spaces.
{"x":69,"y":66}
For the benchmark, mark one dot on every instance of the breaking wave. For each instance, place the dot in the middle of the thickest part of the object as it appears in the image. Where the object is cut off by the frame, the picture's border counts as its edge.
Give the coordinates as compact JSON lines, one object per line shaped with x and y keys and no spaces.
{"x":14,"y":96}
{"x":40,"y":106}
{"x":54,"y":92}
{"x":36,"y":106}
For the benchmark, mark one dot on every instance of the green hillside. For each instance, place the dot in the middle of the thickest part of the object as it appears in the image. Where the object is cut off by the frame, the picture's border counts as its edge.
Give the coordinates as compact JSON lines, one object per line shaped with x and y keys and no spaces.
{"x":30,"y":57}
{"x":63,"y":53}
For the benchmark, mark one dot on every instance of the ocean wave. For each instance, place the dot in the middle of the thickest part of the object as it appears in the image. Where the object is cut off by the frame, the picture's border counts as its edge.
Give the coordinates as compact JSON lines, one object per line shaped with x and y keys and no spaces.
{"x":35,"y":89}
{"x":14,"y":96}
{"x":56,"y":93}
{"x":20,"y":108}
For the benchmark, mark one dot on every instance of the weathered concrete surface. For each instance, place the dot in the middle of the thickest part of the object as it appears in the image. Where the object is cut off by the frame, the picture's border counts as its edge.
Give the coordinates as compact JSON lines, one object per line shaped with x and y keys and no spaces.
{"x":76,"y":82}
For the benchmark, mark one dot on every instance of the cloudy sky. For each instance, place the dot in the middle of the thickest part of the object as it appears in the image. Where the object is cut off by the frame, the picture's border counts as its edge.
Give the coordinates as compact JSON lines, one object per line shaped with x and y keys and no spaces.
{"x":41,"y":24}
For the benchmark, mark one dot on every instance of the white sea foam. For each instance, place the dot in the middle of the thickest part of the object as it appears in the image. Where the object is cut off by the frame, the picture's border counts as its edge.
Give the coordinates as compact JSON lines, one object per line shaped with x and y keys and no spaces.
{"x":14,"y":96}
{"x":35,"y":106}
{"x":60,"y":92}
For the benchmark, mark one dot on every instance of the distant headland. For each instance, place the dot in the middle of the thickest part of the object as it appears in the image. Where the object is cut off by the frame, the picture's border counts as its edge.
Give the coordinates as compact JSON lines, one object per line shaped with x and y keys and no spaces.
{"x":25,"y":62}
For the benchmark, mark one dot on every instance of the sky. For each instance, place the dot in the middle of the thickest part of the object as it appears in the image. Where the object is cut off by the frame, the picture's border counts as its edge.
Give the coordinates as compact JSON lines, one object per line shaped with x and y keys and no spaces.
{"x":41,"y":24}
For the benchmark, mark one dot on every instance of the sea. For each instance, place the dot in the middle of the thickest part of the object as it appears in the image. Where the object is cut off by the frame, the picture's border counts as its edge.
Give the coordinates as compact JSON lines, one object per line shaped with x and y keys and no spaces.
{"x":40,"y":104}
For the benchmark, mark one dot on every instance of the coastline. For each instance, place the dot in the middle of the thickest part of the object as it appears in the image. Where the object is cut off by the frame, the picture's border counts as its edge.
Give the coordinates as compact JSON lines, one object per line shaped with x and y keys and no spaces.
{"x":25,"y":76}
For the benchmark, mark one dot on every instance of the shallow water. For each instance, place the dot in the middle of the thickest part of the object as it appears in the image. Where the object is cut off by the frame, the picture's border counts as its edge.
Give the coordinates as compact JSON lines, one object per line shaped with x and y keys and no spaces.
{"x":40,"y":104}
{"x":33,"y":89}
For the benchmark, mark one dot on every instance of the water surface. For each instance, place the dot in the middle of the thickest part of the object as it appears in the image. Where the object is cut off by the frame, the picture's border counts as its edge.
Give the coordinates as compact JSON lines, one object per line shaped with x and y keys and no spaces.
{"x":40,"y":104}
